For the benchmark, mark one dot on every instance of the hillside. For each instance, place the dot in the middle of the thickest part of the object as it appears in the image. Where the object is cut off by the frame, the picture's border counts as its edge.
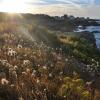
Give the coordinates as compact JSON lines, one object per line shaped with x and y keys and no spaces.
{"x":43,"y":62}
{"x":55,"y":23}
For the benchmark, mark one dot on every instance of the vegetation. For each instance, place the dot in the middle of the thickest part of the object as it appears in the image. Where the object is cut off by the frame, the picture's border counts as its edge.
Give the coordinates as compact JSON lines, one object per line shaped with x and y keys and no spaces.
{"x":37,"y":63}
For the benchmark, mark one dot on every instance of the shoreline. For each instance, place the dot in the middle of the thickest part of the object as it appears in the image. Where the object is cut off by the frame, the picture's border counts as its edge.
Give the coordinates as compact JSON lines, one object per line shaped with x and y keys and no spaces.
{"x":94,"y":30}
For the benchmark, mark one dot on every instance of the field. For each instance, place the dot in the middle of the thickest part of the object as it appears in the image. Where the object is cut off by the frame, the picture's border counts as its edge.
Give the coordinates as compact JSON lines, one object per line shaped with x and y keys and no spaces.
{"x":40,"y":63}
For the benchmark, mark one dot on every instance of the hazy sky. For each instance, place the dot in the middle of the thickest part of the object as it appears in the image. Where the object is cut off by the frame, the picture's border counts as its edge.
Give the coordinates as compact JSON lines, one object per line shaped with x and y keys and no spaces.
{"x":85,"y":8}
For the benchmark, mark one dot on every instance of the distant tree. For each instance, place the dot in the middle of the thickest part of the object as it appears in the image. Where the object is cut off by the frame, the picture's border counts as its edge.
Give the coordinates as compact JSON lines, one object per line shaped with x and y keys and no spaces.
{"x":65,"y":17}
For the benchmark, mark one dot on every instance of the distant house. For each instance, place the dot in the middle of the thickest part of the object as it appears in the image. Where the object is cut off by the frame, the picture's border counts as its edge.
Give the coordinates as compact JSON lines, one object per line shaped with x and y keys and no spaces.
{"x":62,"y":18}
{"x":57,"y":18}
{"x":80,"y":27}
{"x":71,"y":17}
{"x":82,"y":18}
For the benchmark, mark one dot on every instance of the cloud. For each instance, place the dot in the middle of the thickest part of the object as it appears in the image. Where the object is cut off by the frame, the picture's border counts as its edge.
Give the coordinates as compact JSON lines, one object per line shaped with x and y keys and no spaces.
{"x":71,"y":7}
{"x":89,"y":8}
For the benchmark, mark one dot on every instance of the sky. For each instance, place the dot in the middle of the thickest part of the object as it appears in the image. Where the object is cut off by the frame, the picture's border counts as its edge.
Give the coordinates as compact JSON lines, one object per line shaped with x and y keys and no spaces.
{"x":85,"y":8}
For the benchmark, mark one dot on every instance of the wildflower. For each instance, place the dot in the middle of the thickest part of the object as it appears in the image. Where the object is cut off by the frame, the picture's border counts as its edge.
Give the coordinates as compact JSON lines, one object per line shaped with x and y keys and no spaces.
{"x":64,"y":96}
{"x":32,"y":91}
{"x":66,"y":59}
{"x":22,"y":84}
{"x":14,"y":74}
{"x":19,"y":46}
{"x":24,"y":73}
{"x":60,"y":49}
{"x":52,"y":65}
{"x":45,"y":89}
{"x":4,"y":62}
{"x":61,"y":73}
{"x":38,"y":65}
{"x":44,"y":67}
{"x":26,"y":62}
{"x":56,"y":48}
{"x":28,"y":70}
{"x":4,"y":81}
{"x":97,"y":64}
{"x":11,"y":70}
{"x":60,"y":79}
{"x":50,"y":75}
{"x":21,"y":98}
{"x":88,"y":67}
{"x":59,"y":58}
{"x":11,"y":52}
{"x":25,"y":55}
{"x":38,"y":81}
{"x":34,"y":53}
{"x":33,"y":73}
{"x":12,"y":85}
{"x":10,"y":66}
{"x":93,"y":60}
{"x":15,"y":67}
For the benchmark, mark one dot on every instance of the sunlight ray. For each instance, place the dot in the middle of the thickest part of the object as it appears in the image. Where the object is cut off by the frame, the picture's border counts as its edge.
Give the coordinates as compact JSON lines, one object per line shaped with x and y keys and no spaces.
{"x":13,"y":6}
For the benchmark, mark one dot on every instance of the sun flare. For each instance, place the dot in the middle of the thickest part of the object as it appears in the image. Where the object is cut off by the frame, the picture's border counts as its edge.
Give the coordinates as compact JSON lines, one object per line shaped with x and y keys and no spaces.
{"x":13,"y":6}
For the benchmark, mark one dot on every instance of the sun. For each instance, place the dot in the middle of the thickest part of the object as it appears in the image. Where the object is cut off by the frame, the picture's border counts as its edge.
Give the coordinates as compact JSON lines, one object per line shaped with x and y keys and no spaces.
{"x":13,"y":6}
